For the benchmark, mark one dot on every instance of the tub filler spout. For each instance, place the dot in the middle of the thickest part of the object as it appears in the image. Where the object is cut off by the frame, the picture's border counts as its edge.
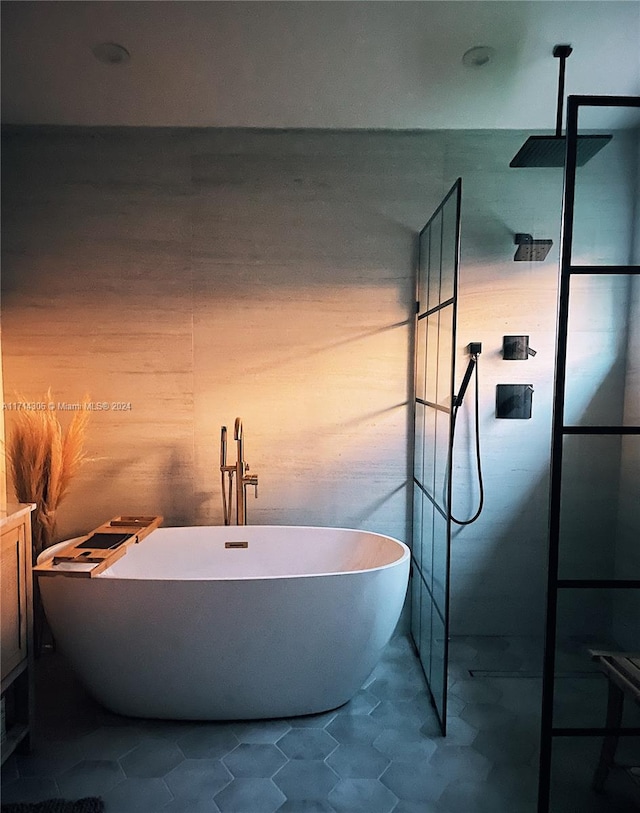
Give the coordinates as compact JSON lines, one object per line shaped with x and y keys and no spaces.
{"x":239,"y":472}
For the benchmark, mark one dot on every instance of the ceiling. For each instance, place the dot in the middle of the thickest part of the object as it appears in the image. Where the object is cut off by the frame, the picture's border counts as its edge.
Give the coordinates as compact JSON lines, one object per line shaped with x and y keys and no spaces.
{"x":361,"y":64}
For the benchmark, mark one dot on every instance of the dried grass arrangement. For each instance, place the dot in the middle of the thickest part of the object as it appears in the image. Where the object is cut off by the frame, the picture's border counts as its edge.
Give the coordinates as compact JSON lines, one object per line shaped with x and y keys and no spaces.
{"x":43,"y":459}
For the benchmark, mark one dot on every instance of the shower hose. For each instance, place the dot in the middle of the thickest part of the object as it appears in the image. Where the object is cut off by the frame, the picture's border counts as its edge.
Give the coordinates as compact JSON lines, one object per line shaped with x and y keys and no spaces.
{"x":457,"y":405}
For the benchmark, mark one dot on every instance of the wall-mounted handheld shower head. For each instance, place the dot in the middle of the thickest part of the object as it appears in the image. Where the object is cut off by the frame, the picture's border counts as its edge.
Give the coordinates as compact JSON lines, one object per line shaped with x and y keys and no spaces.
{"x":459,"y":398}
{"x":474,"y":348}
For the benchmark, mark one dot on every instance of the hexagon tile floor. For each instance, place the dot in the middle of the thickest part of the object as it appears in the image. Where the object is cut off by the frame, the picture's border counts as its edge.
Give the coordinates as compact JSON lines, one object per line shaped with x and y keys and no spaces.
{"x":380,"y":753}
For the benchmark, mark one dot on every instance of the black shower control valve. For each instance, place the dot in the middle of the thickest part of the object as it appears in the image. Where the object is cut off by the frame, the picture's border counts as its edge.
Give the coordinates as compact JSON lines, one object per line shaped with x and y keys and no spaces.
{"x":516,"y":348}
{"x":474,"y":348}
{"x":514,"y":401}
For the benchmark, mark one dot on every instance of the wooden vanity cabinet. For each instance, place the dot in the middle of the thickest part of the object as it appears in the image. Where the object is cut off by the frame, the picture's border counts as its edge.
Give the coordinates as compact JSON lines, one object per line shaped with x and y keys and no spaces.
{"x":16,"y":620}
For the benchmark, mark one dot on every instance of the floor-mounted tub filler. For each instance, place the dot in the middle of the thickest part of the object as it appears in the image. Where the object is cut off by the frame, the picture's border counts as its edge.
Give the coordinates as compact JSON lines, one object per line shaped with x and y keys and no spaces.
{"x":219,"y":623}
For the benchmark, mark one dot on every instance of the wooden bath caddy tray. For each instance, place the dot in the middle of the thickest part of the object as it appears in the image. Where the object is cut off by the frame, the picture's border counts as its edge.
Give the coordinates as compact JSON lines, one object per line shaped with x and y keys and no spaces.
{"x":98,"y":550}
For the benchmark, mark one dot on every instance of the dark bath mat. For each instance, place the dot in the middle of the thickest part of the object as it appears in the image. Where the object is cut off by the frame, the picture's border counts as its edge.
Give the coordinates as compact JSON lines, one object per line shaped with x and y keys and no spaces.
{"x":90,"y":804}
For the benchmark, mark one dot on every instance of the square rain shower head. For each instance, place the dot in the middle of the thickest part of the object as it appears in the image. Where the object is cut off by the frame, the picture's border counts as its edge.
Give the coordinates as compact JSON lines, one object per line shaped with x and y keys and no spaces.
{"x":530,"y":250}
{"x":548,"y":151}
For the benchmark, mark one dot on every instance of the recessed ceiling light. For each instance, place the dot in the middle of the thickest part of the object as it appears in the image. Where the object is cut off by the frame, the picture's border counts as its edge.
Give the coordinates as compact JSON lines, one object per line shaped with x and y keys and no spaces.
{"x":478,"y":56}
{"x":111,"y":53}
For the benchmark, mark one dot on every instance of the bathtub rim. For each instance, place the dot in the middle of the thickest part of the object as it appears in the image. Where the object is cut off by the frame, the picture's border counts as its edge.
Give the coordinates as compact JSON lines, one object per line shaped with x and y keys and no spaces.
{"x":51,"y":551}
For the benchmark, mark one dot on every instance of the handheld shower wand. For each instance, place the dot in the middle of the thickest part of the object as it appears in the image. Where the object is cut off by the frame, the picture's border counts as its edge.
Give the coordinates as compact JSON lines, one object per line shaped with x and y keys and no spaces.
{"x":459,"y":398}
{"x":229,"y":471}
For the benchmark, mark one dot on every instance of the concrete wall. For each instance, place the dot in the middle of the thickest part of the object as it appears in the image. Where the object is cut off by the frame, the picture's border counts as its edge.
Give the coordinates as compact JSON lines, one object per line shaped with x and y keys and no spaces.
{"x":204,"y":275}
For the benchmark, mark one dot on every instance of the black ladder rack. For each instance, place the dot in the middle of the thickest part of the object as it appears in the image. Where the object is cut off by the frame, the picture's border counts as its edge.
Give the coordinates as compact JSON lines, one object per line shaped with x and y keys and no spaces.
{"x":559,"y":433}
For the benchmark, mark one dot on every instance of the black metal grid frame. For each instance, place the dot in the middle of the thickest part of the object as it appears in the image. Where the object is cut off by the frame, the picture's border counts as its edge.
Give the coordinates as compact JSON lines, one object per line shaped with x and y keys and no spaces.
{"x":456,"y":190}
{"x":559,"y":431}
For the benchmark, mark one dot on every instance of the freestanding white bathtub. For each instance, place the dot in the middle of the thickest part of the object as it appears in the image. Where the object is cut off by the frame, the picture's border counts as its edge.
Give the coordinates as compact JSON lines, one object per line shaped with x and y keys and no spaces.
{"x":182,"y":627}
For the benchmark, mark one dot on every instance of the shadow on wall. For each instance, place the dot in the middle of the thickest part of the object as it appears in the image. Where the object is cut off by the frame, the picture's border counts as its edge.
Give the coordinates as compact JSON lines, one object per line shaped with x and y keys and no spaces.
{"x":327,"y":469}
{"x":505,"y":583}
{"x":292,"y":354}
{"x":503,"y":590}
{"x":166,"y":490}
{"x":498,"y":569}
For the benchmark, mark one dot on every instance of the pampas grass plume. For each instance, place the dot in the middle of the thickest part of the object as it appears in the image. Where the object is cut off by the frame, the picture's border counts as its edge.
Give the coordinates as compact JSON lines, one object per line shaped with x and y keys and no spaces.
{"x":43,"y":460}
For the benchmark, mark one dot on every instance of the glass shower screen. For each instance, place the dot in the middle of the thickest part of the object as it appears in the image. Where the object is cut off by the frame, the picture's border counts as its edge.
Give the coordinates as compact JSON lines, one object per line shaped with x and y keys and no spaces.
{"x":437,"y":287}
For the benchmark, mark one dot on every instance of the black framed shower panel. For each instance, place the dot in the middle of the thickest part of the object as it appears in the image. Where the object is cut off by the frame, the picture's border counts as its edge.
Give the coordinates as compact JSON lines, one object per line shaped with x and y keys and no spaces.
{"x":559,"y":431}
{"x":424,"y":310}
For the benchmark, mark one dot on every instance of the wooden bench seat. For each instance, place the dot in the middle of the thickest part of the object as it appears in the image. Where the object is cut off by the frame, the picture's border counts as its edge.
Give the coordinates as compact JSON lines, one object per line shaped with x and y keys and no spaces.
{"x":623,"y":673}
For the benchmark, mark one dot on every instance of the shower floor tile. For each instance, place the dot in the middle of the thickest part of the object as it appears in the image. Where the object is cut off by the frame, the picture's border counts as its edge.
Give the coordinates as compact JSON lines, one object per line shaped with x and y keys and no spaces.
{"x":382,"y":751}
